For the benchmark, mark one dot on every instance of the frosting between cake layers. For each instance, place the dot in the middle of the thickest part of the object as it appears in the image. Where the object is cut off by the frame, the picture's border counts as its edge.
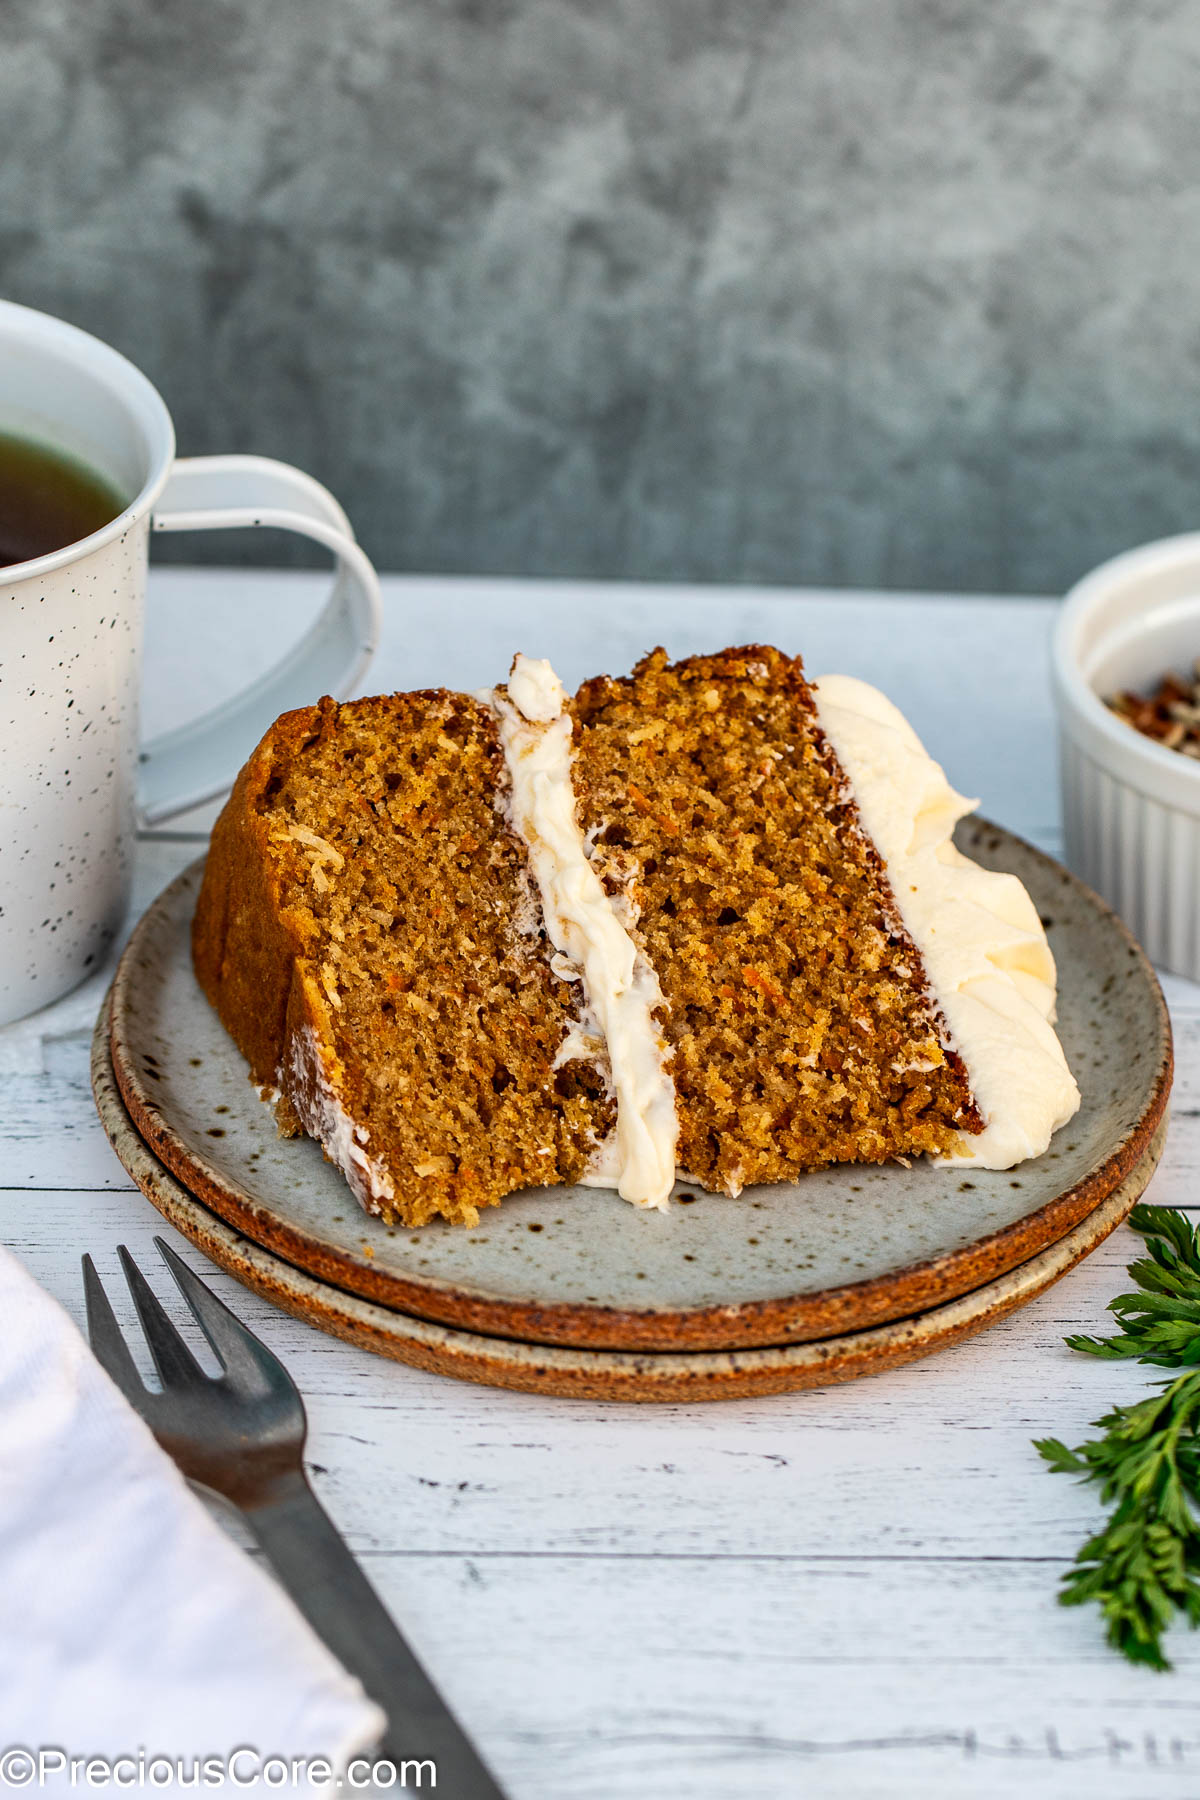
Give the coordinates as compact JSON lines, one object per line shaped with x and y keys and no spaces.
{"x":620,"y":988}
{"x":978,"y":932}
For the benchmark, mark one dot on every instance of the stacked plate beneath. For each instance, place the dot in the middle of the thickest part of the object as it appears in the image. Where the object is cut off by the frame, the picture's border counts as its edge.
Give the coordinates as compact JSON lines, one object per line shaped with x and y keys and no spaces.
{"x":571,"y":1291}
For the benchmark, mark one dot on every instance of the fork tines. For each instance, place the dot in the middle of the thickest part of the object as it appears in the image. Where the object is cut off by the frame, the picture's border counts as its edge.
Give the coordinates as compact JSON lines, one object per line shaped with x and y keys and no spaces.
{"x":245,"y":1361}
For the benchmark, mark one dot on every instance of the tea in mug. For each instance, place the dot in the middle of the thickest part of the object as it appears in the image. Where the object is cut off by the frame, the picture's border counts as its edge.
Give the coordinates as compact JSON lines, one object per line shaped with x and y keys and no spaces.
{"x":48,"y":500}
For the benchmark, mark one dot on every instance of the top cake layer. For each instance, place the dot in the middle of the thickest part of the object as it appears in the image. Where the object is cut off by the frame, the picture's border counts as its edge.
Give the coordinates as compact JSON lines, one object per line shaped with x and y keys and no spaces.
{"x":481,"y":944}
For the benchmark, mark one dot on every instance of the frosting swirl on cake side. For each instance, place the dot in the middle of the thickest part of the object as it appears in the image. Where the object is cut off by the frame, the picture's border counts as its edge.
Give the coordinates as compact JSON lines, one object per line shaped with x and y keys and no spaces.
{"x":620,"y":988}
{"x":979,"y":935}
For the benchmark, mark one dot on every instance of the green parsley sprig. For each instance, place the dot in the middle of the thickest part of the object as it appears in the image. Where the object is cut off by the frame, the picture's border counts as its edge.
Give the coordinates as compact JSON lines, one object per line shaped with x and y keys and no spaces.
{"x":1143,"y":1568}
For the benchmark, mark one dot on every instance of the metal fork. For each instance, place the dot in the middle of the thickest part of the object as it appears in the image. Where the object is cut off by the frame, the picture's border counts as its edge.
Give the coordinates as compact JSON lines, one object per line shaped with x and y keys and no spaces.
{"x":242,"y":1434}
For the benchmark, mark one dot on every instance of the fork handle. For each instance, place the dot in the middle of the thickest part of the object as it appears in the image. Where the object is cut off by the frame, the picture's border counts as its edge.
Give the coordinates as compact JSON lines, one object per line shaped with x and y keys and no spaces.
{"x":312,"y":1561}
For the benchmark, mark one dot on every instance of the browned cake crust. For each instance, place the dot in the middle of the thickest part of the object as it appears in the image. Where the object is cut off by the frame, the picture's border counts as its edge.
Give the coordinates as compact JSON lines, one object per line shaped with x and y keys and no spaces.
{"x":367,"y":933}
{"x":801,"y":1024}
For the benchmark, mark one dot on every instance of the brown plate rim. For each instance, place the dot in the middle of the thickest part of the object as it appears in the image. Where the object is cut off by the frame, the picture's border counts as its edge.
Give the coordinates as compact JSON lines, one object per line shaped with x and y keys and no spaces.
{"x":780,"y":1320}
{"x":569,"y":1372}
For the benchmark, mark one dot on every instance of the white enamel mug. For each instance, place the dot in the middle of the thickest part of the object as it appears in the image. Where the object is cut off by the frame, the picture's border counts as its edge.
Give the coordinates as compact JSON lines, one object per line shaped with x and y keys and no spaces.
{"x":74,"y":782}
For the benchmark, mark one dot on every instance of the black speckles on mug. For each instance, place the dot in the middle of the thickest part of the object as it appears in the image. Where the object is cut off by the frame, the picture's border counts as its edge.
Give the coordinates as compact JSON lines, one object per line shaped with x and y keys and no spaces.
{"x":69,"y":679}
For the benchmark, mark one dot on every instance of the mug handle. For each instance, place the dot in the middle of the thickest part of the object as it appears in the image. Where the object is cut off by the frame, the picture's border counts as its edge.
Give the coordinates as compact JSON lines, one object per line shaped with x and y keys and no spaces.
{"x":197,"y":762}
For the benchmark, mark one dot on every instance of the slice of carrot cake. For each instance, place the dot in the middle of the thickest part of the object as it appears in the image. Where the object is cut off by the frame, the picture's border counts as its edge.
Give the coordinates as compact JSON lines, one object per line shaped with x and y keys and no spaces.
{"x":705,"y":919}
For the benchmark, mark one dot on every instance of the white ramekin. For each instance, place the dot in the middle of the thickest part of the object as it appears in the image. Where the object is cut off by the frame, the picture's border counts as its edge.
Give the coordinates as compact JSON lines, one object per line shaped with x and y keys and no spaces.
{"x":1131,"y":807}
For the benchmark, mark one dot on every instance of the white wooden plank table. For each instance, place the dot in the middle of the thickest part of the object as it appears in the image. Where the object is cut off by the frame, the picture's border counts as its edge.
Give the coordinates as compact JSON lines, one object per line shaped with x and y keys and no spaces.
{"x":848,"y":1593}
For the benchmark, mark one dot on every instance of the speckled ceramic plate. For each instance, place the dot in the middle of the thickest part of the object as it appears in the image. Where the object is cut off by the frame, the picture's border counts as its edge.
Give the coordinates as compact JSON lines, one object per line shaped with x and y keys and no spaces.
{"x":574,"y":1373}
{"x":838,"y":1251}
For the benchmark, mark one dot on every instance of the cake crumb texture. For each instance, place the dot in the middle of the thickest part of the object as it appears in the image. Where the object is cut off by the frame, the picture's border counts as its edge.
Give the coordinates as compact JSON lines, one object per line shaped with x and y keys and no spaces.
{"x":367,"y":932}
{"x":802,"y":1029}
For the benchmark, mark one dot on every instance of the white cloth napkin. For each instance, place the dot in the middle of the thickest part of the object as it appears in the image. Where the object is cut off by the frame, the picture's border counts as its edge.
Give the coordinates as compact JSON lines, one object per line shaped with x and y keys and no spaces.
{"x":129,"y":1621}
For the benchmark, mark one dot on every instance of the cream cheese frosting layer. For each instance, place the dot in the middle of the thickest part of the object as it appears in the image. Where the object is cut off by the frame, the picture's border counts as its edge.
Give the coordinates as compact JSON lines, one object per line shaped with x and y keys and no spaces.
{"x":621,"y":990}
{"x":981,"y":941}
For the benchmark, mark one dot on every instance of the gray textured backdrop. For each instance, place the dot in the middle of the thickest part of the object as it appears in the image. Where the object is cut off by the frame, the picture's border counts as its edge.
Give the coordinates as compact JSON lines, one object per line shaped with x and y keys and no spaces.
{"x":902,"y":294}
